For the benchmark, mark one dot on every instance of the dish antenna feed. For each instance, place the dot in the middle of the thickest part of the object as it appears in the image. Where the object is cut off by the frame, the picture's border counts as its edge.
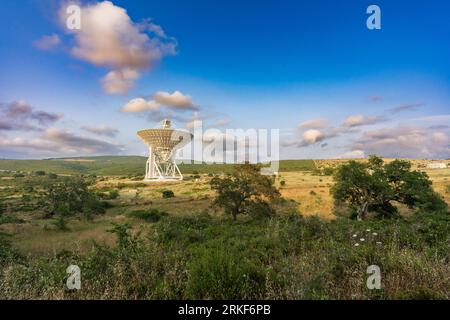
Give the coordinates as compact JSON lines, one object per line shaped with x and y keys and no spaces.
{"x":162,"y":144}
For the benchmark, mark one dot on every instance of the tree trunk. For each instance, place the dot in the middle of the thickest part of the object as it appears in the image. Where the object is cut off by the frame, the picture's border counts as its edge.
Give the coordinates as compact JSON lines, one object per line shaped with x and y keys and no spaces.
{"x":234,"y":214}
{"x":362,"y":212}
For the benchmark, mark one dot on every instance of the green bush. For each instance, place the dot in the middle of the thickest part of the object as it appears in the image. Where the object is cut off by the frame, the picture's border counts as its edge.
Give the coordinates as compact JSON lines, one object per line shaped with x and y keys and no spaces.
{"x":152,"y":215}
{"x":52,"y":176}
{"x":7,"y":253}
{"x":328,"y":171}
{"x":217,"y":274}
{"x":70,"y":196}
{"x":168,"y":194}
{"x":39,"y":173}
{"x":10,"y":219}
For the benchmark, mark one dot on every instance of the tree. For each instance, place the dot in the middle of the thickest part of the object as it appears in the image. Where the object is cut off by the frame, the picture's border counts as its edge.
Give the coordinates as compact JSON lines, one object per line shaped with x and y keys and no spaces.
{"x":244,"y":191}
{"x":374,"y":186}
{"x":69,"y":197}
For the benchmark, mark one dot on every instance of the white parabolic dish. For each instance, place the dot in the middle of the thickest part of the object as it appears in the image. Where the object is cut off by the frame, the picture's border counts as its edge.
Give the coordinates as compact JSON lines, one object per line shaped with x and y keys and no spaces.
{"x":163,"y":142}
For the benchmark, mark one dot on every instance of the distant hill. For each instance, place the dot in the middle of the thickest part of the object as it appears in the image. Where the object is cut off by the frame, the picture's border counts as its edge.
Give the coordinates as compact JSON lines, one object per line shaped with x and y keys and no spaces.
{"x":126,"y":165}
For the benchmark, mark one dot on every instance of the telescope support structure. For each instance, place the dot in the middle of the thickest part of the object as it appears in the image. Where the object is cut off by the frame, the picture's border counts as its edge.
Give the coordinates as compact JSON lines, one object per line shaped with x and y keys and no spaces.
{"x":156,"y":170}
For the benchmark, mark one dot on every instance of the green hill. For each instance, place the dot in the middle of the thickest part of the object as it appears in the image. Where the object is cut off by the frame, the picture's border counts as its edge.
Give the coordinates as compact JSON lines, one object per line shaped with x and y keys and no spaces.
{"x":126,"y":165}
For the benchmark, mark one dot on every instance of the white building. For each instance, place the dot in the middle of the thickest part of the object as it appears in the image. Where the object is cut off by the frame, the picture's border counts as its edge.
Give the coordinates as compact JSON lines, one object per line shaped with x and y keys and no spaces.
{"x":436,"y":165}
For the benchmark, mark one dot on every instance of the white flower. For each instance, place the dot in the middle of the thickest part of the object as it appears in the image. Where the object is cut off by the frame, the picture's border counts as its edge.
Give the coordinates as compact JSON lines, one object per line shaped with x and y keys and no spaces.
{"x":356,"y":244}
{"x":378,"y":242}
{"x":368,"y":230}
{"x":362,"y":239}
{"x":375,"y":234}
{"x":355,"y":235}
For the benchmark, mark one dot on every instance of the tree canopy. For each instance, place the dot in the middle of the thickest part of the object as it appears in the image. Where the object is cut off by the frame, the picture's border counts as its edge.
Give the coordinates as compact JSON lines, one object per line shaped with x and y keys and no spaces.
{"x":375,"y":186}
{"x":69,"y":197}
{"x":245,"y":191}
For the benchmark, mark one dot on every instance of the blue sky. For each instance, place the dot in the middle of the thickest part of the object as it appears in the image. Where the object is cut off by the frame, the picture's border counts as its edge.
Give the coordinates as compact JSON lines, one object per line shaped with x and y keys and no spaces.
{"x":312,"y":69}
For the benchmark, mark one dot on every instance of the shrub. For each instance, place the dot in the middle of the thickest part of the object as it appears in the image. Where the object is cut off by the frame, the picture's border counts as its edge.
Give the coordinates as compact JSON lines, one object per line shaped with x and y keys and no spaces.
{"x":217,"y":274}
{"x":168,"y":194}
{"x":69,"y":197}
{"x":152,"y":215}
{"x":113,"y":194}
{"x":282,"y":183}
{"x":52,"y":176}
{"x":60,"y":223}
{"x":447,"y":188}
{"x":39,"y":173}
{"x":328,"y":171}
{"x":258,"y":209}
{"x":7,"y":253}
{"x":10,"y":219}
{"x":18,"y":175}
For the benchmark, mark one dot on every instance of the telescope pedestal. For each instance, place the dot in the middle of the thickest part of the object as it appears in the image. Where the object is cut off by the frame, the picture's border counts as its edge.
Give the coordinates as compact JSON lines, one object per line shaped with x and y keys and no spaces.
{"x":161,"y":171}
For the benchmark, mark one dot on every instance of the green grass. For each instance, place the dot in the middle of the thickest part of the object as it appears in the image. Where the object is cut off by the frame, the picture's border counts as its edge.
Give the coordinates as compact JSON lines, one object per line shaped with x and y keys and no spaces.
{"x":126,"y":166}
{"x":197,"y":256}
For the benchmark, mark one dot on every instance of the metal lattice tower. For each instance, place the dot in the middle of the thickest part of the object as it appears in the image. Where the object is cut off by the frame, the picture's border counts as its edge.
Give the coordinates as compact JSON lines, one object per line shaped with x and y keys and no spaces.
{"x":162,"y":144}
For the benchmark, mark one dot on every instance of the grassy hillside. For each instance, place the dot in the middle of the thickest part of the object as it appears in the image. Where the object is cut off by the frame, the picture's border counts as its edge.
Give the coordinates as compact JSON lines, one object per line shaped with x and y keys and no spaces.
{"x":126,"y":165}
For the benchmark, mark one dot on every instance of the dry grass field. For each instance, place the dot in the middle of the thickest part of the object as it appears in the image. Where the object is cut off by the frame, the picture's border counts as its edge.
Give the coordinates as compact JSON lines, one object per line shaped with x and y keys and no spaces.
{"x":309,"y":190}
{"x":306,"y":251}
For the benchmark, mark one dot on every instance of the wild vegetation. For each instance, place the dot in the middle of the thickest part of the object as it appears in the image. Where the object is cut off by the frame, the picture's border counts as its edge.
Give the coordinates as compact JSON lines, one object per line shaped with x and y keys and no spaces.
{"x":374,"y":186}
{"x":132,"y":242}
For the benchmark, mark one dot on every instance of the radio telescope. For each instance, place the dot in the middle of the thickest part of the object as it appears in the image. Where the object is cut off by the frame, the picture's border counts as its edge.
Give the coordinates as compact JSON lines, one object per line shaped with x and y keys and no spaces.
{"x":162,"y":144}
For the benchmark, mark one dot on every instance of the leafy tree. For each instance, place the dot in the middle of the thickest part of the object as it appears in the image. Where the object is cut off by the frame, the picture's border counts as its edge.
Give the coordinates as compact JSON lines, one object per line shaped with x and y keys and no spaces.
{"x":244,"y":191}
{"x":69,"y":197}
{"x":374,"y":186}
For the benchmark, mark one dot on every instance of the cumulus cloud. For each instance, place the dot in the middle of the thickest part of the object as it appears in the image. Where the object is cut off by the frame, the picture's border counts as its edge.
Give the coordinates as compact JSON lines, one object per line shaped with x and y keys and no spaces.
{"x":361,"y":120}
{"x":102,"y":130}
{"x":176,"y":101}
{"x":140,"y":105}
{"x":47,"y":42}
{"x":404,"y":141}
{"x":119,"y":81}
{"x":109,"y":38}
{"x":19,"y":115}
{"x":312,"y":136}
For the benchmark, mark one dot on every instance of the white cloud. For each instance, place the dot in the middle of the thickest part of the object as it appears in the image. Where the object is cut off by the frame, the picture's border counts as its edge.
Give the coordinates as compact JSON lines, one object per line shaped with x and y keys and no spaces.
{"x":440,"y":137}
{"x":119,"y":81}
{"x":355,"y":154}
{"x":109,"y":38}
{"x":140,"y":105}
{"x":312,"y":136}
{"x":361,"y":120}
{"x":47,"y":42}
{"x":176,"y":100}
{"x":404,"y":141}
{"x":314,"y":124}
